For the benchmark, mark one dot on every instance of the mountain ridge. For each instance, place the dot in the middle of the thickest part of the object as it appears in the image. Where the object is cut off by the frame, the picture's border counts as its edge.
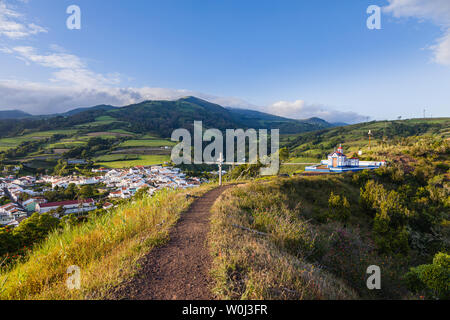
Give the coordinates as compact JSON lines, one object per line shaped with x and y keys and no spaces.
{"x":14,"y":114}
{"x":18,"y":114}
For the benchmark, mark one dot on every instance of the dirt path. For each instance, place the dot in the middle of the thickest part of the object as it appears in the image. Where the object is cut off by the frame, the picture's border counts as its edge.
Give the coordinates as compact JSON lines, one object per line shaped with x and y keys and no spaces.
{"x":178,"y":270}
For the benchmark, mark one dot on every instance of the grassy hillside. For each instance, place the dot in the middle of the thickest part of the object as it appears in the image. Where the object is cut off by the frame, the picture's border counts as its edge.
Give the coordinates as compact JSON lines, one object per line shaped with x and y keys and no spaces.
{"x":313,"y":237}
{"x":107,"y":249}
{"x":319,"y":144}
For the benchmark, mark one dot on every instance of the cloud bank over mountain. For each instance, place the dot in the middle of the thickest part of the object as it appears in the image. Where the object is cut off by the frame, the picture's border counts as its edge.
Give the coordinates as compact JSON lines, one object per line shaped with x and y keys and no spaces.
{"x":301,"y":110}
{"x":73,"y":84}
{"x":37,"y":98}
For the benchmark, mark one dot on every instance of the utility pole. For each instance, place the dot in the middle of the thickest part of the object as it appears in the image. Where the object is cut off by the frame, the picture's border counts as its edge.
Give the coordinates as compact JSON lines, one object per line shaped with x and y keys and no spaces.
{"x":220,"y":162}
{"x":370,"y":133}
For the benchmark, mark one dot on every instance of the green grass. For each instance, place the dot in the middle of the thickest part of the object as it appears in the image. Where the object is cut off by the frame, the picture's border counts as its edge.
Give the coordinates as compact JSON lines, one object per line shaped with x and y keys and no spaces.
{"x":299,"y":252}
{"x":66,"y":144}
{"x":116,"y":157}
{"x":107,"y":249}
{"x":148,"y":137}
{"x":291,"y":169}
{"x":146,"y":143}
{"x":144,"y":160}
{"x":303,"y":160}
{"x":273,"y":265}
{"x":123,"y":132}
{"x":16,"y":141}
{"x":105,"y":118}
{"x":50,"y":133}
{"x":100,"y":121}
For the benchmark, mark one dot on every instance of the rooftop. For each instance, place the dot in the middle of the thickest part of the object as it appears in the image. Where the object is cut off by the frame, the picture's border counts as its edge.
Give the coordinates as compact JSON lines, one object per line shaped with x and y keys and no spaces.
{"x":65,"y":203}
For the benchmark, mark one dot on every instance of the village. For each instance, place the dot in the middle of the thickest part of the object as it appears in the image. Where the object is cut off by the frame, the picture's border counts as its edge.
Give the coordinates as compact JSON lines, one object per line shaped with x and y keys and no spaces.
{"x":23,"y":196}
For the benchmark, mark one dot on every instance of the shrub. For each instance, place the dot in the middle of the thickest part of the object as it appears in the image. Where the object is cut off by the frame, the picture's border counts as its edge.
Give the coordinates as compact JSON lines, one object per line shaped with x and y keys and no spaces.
{"x":339,"y":207}
{"x":432,"y":279}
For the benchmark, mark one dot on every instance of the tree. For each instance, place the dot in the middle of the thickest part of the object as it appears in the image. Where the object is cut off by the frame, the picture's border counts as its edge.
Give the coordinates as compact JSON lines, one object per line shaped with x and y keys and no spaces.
{"x":86,"y":192}
{"x":391,"y":216}
{"x":141,"y":193}
{"x":284,"y":154}
{"x":8,"y":243}
{"x":35,"y":228}
{"x":339,"y":207}
{"x":71,"y":191}
{"x":60,"y":210}
{"x":432,"y":279}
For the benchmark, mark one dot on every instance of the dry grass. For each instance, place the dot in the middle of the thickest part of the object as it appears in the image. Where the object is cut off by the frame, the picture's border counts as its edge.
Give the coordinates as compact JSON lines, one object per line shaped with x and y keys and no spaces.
{"x":107,"y":249}
{"x":253,"y":266}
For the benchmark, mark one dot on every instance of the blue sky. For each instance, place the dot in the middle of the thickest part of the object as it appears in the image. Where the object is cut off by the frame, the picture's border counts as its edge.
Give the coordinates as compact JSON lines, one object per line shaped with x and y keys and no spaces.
{"x":298,"y":58}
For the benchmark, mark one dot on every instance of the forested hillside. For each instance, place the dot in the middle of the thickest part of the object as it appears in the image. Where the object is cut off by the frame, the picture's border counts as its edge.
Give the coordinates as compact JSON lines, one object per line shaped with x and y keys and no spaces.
{"x":160,"y":118}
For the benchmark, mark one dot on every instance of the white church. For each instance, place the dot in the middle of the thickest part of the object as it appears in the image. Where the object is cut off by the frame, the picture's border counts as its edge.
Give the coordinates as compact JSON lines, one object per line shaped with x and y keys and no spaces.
{"x":339,"y":160}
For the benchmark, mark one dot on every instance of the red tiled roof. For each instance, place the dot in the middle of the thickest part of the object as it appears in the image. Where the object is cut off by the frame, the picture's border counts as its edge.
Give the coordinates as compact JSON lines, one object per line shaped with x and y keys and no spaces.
{"x":65,"y":203}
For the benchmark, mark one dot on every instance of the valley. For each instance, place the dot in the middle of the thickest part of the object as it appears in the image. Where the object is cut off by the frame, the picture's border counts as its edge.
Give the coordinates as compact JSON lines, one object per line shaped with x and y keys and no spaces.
{"x":109,"y":197}
{"x":132,"y":135}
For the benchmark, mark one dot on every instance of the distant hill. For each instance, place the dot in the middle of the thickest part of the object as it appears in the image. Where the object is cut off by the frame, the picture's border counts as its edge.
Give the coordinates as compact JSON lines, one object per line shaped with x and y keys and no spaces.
{"x":256,"y":119}
{"x":14,"y":114}
{"x":354,"y":137}
{"x":80,"y":110}
{"x":160,"y":118}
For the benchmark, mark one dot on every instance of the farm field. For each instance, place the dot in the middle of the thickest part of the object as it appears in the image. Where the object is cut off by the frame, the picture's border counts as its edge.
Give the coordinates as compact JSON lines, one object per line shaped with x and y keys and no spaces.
{"x":143,"y":160}
{"x":291,"y":169}
{"x":116,"y":157}
{"x":13,"y":142}
{"x":100,"y":121}
{"x":146,"y":143}
{"x":303,"y":160}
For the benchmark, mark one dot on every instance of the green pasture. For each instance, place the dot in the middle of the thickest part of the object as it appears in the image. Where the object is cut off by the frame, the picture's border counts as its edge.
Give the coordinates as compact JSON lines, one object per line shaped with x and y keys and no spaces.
{"x":143,"y":160}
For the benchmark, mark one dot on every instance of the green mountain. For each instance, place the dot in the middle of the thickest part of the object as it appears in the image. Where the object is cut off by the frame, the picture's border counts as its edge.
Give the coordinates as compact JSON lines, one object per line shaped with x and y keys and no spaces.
{"x":256,"y":119}
{"x":14,"y":114}
{"x":160,"y":118}
{"x":102,"y":107}
{"x":137,"y":134}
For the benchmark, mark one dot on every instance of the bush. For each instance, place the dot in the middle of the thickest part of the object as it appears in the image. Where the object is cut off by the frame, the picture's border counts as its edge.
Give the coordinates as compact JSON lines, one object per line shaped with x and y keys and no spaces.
{"x":339,"y":207}
{"x":431,"y":279}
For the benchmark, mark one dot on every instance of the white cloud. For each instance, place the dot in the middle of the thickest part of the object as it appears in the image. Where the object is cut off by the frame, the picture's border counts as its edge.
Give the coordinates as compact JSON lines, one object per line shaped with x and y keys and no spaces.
{"x":73,"y":84}
{"x":40,"y":98}
{"x":437,"y":11}
{"x":13,"y":24}
{"x":442,"y":50}
{"x":70,"y":69}
{"x":301,"y":110}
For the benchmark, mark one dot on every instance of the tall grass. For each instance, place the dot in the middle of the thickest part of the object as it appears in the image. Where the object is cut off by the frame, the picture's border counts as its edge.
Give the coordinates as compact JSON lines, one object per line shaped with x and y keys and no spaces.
{"x":107,"y":249}
{"x":249,"y":265}
{"x":277,"y":239}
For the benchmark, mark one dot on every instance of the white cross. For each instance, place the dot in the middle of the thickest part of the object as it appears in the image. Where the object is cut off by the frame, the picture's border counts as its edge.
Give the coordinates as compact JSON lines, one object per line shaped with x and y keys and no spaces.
{"x":220,"y":162}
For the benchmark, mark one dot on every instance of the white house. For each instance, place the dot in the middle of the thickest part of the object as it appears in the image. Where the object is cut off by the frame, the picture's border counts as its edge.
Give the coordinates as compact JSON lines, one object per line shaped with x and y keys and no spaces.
{"x":73,"y":206}
{"x":6,"y":219}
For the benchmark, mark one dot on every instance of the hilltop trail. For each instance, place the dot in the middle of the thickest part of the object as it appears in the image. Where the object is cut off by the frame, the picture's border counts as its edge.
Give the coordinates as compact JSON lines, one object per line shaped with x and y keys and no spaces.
{"x":178,"y":270}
